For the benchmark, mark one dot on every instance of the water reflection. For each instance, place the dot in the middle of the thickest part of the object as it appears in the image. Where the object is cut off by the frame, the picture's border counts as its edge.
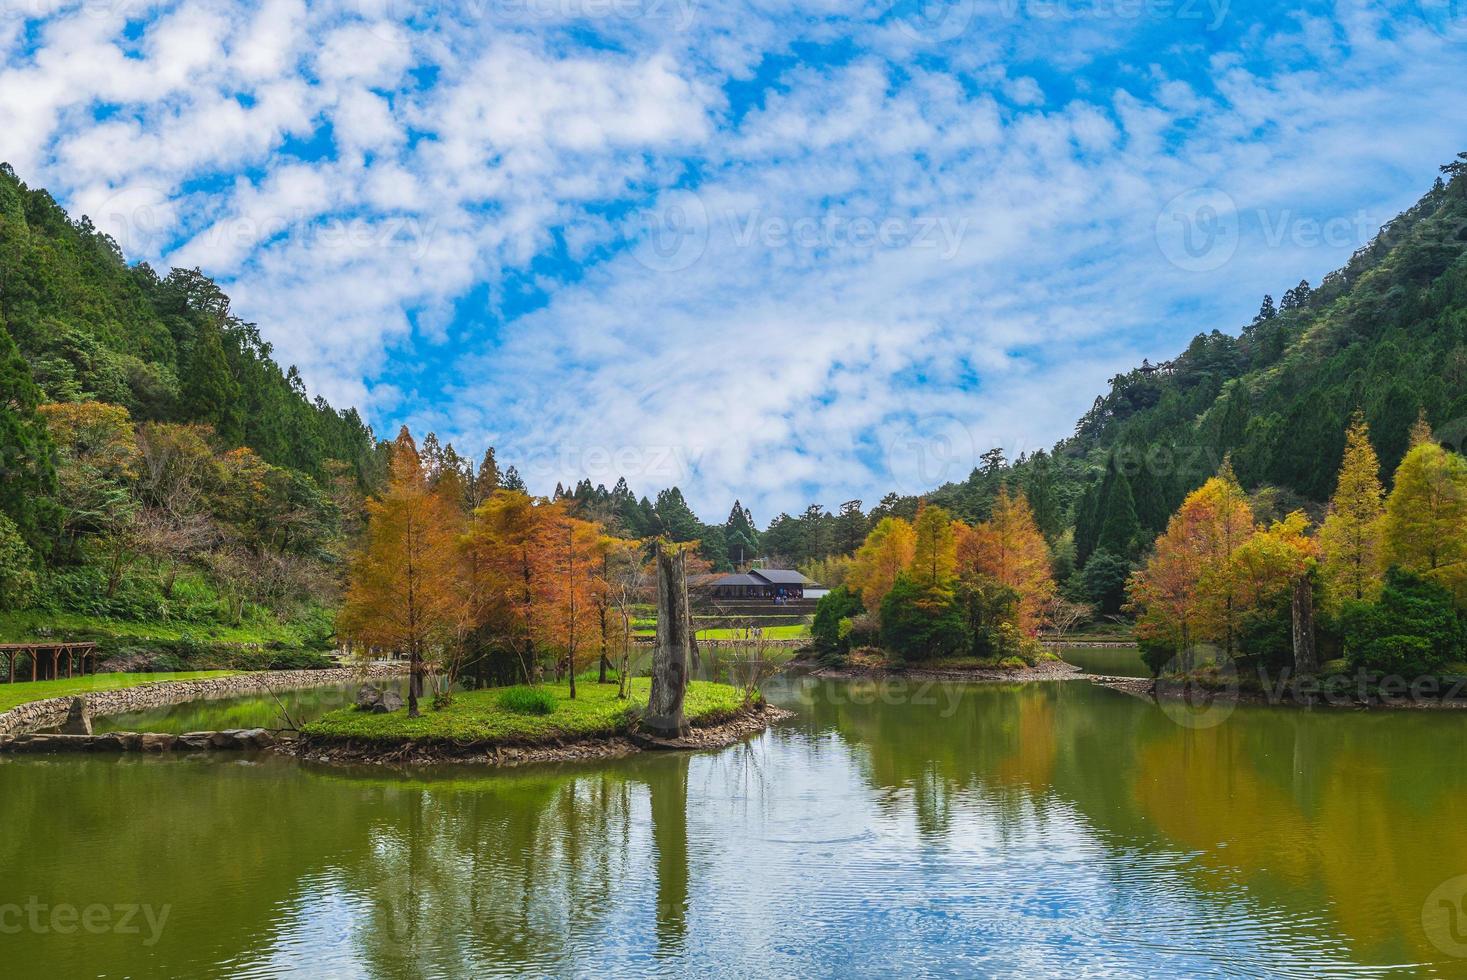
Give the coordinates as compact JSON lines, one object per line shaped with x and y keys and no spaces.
{"x":1038,"y":828}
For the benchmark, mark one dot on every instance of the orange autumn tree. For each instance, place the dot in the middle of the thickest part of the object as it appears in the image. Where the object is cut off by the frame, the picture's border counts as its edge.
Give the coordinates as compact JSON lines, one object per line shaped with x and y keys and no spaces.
{"x":886,"y":553}
{"x":402,"y":591}
{"x":572,"y":573}
{"x":508,"y":547}
{"x":1190,"y":590}
{"x":1010,"y":549}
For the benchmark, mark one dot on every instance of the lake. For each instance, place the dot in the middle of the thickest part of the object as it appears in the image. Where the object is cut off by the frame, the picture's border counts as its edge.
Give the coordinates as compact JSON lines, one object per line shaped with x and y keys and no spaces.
{"x":889,"y":828}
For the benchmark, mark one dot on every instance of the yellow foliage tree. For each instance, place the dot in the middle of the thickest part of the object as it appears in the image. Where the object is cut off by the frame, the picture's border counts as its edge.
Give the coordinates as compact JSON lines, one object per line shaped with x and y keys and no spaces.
{"x":1271,"y":560}
{"x":1350,"y":538}
{"x":1425,"y":524}
{"x":885,"y":554}
{"x":934,"y":550}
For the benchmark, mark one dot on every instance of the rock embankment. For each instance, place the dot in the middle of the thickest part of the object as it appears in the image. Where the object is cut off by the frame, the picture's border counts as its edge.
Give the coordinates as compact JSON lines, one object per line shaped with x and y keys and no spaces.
{"x":52,"y":712}
{"x":242,"y":740}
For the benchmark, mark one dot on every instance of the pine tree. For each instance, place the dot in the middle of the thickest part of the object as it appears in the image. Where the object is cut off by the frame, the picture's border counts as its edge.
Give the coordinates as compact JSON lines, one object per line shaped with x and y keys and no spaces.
{"x":512,"y":480}
{"x":740,"y":539}
{"x":27,"y":477}
{"x":850,"y":528}
{"x":1148,"y":493}
{"x":210,"y":392}
{"x":1039,"y":488}
{"x":1119,"y":529}
{"x":1350,"y":538}
{"x":486,"y":480}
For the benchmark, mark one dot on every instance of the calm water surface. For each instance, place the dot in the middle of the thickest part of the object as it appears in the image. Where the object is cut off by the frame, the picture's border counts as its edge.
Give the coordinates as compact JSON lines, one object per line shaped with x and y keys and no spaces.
{"x":1053,"y":828}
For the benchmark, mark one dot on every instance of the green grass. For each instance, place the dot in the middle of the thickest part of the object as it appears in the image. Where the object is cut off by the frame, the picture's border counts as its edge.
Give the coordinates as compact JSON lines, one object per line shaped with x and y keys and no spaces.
{"x":524,"y":700}
{"x":479,"y":716}
{"x":13,"y":695}
{"x":729,"y":633}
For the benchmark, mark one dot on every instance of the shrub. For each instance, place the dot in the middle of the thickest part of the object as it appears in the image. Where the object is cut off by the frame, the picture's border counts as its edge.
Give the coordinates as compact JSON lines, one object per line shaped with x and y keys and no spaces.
{"x":1103,"y":580}
{"x":527,"y":700}
{"x":918,"y":623}
{"x":834,"y":608}
{"x":1412,"y":628}
{"x":17,"y":571}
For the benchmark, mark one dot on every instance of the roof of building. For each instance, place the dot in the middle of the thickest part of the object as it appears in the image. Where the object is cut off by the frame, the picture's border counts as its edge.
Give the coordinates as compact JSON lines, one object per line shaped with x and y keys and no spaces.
{"x":727,"y":580}
{"x":781,"y":576}
{"x":757,"y":577}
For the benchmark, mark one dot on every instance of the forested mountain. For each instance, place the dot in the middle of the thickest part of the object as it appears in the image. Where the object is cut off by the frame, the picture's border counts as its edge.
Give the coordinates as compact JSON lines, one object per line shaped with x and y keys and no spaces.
{"x":158,"y":465}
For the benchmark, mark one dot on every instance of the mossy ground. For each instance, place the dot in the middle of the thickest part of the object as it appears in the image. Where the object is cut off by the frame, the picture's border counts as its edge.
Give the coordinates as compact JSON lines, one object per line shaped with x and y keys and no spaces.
{"x":478,"y":716}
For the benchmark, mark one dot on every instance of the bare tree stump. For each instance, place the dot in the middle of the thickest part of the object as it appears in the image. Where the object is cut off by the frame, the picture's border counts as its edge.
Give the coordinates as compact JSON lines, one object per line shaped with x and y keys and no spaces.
{"x":665,"y":716}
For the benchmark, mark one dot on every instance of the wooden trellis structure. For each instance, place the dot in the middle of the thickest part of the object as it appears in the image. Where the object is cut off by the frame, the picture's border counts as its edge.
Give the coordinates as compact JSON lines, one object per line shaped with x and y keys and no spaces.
{"x":46,"y":659}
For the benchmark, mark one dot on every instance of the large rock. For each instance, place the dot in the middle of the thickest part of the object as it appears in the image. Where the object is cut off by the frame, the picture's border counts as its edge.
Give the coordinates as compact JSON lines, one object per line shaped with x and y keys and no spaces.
{"x":378,"y":701}
{"x":389,"y":702}
{"x":153,"y":742}
{"x":255,"y":738}
{"x":78,"y":718}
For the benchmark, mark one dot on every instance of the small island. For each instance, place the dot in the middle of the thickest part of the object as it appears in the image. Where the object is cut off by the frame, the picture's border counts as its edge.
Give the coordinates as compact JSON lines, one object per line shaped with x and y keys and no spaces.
{"x":515,"y":725}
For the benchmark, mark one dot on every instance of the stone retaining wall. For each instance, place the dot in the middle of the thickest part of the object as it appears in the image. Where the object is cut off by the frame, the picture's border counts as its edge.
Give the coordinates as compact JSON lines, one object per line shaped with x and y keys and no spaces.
{"x":238,"y":741}
{"x":52,"y":712}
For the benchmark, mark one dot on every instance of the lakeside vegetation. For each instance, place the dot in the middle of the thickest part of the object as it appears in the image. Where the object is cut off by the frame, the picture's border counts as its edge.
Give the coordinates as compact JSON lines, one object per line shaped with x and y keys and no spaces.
{"x":515,"y":715}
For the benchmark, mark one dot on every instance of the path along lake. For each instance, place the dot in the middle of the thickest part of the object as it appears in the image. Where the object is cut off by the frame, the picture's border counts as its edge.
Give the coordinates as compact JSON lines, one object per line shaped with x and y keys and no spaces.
{"x":889,"y":828}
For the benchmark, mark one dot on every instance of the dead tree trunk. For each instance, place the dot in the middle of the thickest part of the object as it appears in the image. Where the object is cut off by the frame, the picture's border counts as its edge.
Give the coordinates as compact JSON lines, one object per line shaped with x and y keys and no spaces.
{"x":1305,"y":661}
{"x":670,"y":655}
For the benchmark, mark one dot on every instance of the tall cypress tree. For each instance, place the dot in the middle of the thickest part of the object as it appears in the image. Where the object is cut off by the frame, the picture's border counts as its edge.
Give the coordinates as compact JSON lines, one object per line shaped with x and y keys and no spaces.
{"x":1149,"y":495}
{"x":27,"y":477}
{"x":210,"y":392}
{"x":1119,"y":529}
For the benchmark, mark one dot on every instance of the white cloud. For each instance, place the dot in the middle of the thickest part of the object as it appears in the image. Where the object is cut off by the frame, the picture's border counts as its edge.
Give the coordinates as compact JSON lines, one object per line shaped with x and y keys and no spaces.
{"x":957,"y":235}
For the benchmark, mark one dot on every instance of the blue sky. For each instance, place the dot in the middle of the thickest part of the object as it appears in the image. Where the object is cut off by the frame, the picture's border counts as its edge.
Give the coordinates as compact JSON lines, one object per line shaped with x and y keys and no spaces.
{"x":781,"y":252}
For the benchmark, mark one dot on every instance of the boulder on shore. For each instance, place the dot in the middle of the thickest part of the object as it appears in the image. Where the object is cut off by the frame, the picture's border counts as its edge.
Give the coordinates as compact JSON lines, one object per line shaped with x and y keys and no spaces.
{"x":378,"y":701}
{"x":78,"y":718}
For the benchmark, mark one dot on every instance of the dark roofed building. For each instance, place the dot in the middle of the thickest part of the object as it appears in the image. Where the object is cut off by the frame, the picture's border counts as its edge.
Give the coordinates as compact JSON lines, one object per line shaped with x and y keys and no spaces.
{"x":761,"y":583}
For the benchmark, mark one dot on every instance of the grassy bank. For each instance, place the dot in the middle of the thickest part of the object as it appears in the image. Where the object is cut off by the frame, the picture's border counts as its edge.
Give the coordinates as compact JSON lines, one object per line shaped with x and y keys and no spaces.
{"x":14,"y":695}
{"x":481,"y":716}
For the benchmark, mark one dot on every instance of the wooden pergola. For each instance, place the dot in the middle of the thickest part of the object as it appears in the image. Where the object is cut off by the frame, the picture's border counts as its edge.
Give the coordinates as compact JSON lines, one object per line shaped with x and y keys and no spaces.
{"x":48,"y":655}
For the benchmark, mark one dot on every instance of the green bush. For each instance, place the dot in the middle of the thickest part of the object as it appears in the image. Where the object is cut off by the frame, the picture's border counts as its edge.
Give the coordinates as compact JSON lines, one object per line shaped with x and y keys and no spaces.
{"x":919,"y":623}
{"x":17,"y":567}
{"x":1413,"y":628}
{"x":524,"y":700}
{"x":837,"y":606}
